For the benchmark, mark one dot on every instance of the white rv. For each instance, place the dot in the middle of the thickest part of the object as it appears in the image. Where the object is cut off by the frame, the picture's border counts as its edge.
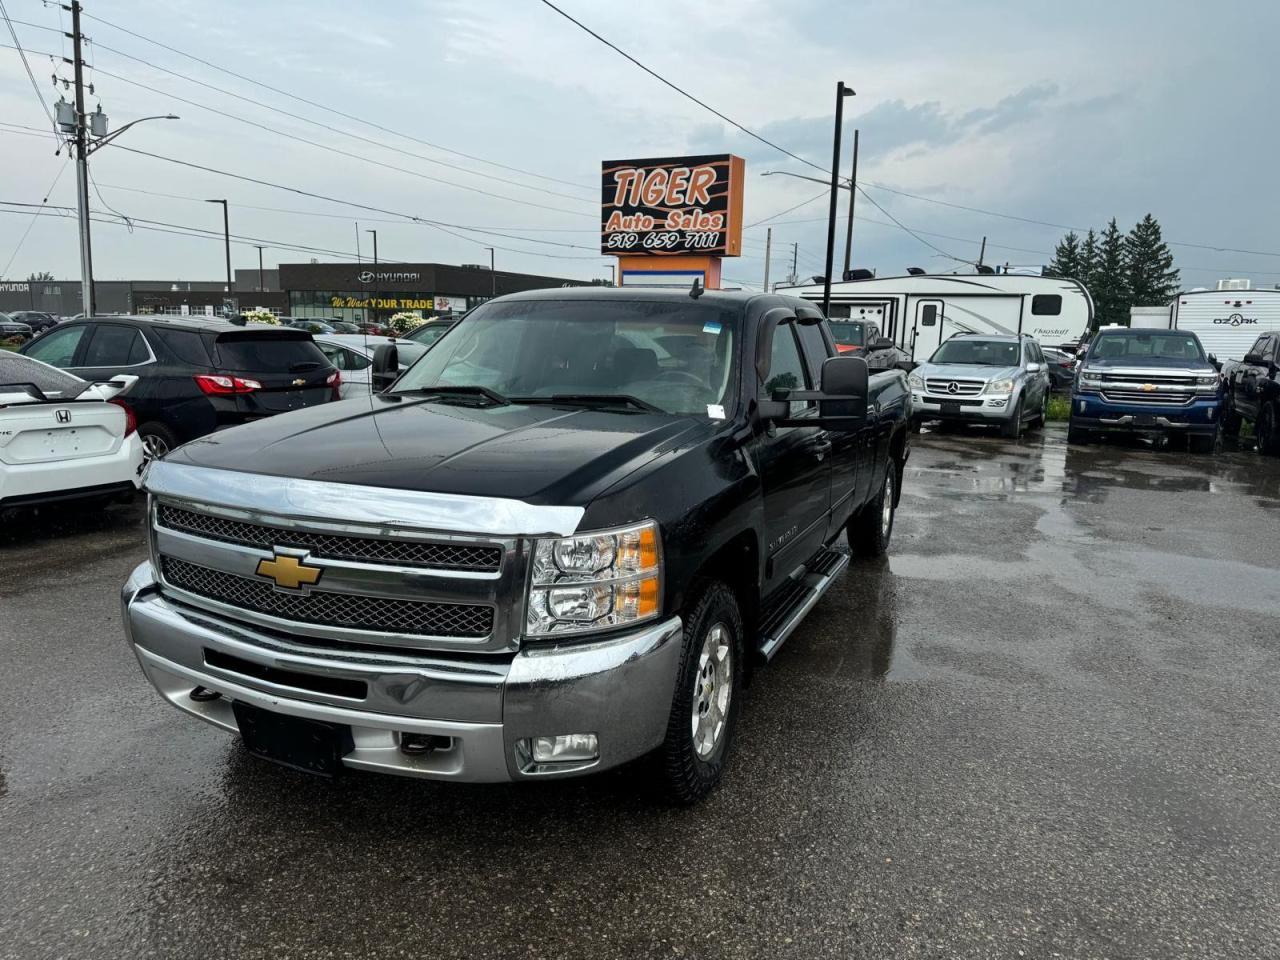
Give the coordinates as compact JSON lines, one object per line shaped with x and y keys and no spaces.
{"x":1227,"y":321}
{"x":920,"y":311}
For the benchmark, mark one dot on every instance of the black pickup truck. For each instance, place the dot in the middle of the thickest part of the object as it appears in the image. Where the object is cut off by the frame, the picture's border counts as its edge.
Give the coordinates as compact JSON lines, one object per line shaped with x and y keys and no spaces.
{"x":1253,"y":393}
{"x":561,"y":541}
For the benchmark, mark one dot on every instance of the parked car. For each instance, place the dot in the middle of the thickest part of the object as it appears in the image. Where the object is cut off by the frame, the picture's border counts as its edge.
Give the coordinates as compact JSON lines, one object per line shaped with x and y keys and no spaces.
{"x":605,"y":538}
{"x":1150,"y":382}
{"x":864,"y":338}
{"x":430,"y":331}
{"x":376,"y":329}
{"x":995,"y":381}
{"x":342,"y":326}
{"x":1253,"y":393}
{"x":309,"y":324}
{"x":11,"y":329}
{"x":1062,"y":367}
{"x":196,"y":375}
{"x":63,"y":438}
{"x":352,"y":355}
{"x":37,"y":320}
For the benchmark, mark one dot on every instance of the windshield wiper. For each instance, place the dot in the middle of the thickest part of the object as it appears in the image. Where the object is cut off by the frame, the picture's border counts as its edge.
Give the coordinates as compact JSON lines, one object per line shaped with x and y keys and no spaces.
{"x":595,"y":400}
{"x":449,"y":389}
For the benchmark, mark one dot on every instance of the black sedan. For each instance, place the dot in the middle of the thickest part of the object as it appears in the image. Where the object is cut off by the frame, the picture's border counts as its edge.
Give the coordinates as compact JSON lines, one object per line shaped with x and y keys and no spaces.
{"x":11,"y":329}
{"x":37,"y":320}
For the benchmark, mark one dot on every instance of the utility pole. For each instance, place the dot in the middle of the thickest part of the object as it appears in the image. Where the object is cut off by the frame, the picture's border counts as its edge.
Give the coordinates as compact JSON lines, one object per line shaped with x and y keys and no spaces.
{"x":853,"y":192}
{"x":262,"y":287}
{"x":768,"y":249}
{"x":375,"y":246}
{"x":795,"y":255}
{"x":82,"y":169}
{"x":841,"y":92}
{"x":493,"y":277}
{"x":983,"y":252}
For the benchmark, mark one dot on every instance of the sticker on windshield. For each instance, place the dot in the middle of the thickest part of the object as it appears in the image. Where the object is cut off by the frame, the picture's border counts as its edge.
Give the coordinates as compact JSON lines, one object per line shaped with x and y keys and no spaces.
{"x":711,"y":327}
{"x":714,"y":410}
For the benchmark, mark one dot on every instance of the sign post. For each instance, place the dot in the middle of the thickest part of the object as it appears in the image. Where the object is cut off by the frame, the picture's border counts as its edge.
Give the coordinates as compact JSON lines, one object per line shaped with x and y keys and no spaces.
{"x":671,"y":220}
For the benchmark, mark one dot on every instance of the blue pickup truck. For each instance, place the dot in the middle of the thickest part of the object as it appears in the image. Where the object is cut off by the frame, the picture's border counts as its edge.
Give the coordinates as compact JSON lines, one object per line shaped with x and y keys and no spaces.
{"x":1151,"y":382}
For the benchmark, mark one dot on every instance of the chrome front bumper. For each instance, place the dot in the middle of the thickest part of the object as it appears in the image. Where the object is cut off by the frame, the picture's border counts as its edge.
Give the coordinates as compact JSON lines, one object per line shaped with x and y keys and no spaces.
{"x":620,"y":689}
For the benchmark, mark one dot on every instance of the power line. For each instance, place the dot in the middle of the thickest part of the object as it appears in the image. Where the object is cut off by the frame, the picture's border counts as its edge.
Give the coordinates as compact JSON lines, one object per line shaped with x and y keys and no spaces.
{"x":680,"y":90}
{"x":36,"y":216}
{"x":17,"y":45}
{"x":328,"y":109}
{"x":336,"y":150}
{"x":783,"y":213}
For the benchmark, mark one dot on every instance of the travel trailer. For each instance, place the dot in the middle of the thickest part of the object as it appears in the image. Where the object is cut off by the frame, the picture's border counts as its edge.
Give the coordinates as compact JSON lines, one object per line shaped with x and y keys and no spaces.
{"x":1150,"y":318}
{"x":1226,"y":321}
{"x":920,"y":311}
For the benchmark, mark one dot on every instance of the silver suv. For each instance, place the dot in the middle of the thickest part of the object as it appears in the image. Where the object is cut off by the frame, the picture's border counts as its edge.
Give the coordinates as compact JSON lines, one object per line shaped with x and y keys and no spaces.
{"x":975,"y":378}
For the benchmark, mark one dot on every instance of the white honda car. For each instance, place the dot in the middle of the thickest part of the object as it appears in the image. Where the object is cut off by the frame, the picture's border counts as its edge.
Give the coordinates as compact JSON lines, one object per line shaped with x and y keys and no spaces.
{"x":63,"y":438}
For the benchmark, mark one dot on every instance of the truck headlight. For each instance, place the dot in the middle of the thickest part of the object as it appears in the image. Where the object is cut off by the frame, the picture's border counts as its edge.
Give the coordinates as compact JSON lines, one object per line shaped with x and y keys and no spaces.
{"x":596,"y":581}
{"x":915,"y":381}
{"x":999,"y":386}
{"x":1207,"y":381}
{"x":1090,"y":381}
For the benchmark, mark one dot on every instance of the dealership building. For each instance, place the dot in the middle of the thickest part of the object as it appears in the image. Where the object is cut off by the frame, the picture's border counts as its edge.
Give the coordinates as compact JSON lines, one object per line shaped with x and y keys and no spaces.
{"x":347,"y":291}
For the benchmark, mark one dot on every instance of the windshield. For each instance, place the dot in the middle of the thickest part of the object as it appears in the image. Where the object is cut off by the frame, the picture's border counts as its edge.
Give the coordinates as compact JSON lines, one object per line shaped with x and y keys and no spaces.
{"x":677,"y":356}
{"x":1167,"y":346}
{"x":427,"y":333}
{"x":850,"y":334}
{"x":985,"y":353}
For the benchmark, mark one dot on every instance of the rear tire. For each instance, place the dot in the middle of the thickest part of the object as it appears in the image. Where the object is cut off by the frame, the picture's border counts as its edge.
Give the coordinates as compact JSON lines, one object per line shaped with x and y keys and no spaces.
{"x":1039,"y":422}
{"x":1202,"y":443}
{"x":704,"y":711}
{"x":1268,"y":429}
{"x":869,"y":532}
{"x":157,"y":440}
{"x":1012,"y":428}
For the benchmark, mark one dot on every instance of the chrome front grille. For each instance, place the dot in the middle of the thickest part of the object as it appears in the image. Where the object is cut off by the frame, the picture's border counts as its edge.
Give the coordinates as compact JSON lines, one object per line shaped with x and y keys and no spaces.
{"x":382,"y":614}
{"x":397,"y":552}
{"x":964,"y":388}
{"x":1166,"y":398}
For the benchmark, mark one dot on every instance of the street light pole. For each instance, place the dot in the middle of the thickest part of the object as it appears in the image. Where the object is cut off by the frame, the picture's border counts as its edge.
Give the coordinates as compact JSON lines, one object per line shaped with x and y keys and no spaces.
{"x":853,"y":193}
{"x":262,"y":287}
{"x":82,"y":169}
{"x":841,"y":92}
{"x":226,"y":236}
{"x":375,"y":246}
{"x":493,"y":277}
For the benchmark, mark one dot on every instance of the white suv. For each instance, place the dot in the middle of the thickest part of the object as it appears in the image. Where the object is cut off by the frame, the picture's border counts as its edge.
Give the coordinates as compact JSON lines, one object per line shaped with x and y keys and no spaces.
{"x":972,"y":378}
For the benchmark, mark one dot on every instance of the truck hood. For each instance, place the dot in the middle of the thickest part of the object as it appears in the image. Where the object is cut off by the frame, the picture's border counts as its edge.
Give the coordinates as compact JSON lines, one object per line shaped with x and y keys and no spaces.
{"x":541,"y":454}
{"x":1154,"y":364}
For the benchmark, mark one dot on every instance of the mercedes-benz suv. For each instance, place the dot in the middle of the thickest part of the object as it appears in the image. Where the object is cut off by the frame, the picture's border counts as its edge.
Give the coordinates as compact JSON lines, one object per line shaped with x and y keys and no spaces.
{"x":971,"y":378}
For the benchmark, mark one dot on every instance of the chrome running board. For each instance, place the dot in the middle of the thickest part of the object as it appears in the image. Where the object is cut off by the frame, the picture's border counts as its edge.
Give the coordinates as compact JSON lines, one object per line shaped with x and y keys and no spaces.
{"x":796,"y":599}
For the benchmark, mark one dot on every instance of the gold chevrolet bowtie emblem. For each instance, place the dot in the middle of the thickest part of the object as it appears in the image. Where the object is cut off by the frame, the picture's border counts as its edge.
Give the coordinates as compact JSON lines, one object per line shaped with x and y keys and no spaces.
{"x":289,"y":572}
{"x":1148,"y":387}
{"x":299,"y":382}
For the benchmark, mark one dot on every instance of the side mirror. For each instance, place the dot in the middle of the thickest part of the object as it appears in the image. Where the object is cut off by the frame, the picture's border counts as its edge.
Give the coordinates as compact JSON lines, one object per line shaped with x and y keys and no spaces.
{"x":1252,"y":359}
{"x":845,"y":385}
{"x":1034,"y":368}
{"x":386,"y":366}
{"x":881,"y":343}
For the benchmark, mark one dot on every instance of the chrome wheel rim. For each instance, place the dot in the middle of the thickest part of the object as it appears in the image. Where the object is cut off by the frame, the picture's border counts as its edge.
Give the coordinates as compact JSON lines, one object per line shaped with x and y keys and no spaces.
{"x":713,"y":685}
{"x":886,"y":509}
{"x":154,"y":447}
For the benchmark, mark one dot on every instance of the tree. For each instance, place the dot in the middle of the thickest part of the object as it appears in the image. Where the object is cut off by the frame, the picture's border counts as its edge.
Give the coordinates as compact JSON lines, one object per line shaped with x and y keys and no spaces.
{"x":1066,"y":258}
{"x":1153,"y":279}
{"x":1089,"y":255}
{"x":40,"y":277}
{"x":1110,"y":285}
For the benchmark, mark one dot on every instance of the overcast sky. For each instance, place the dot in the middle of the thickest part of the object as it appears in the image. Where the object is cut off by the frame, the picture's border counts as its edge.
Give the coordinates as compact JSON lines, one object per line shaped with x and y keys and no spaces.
{"x":1067,"y":113}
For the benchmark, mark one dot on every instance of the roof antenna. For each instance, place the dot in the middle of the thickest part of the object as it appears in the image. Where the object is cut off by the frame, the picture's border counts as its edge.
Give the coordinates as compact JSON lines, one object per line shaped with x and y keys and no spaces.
{"x":696,"y":291}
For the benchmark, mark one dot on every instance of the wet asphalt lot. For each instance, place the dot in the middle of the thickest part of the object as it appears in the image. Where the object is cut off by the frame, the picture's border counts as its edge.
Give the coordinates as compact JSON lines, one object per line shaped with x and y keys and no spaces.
{"x":1048,"y":726}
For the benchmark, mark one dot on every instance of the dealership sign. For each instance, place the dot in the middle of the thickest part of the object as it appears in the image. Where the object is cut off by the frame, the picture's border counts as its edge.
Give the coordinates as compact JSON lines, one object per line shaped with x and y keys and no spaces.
{"x":15,"y":288}
{"x":374,"y":276}
{"x":672,"y":206}
{"x":381,"y":303}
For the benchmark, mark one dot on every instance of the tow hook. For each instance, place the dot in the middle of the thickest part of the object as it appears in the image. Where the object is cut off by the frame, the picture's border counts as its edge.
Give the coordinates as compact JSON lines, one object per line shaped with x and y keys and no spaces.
{"x":420,"y":744}
{"x":204,"y":695}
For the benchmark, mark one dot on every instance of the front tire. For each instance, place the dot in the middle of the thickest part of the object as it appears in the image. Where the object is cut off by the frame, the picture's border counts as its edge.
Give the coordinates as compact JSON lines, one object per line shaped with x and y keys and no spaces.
{"x":1077,"y":435}
{"x":1230,"y":420}
{"x":1268,"y":429}
{"x":704,"y":711}
{"x":1206,"y":443}
{"x":1013,"y":426}
{"x":869,"y":532}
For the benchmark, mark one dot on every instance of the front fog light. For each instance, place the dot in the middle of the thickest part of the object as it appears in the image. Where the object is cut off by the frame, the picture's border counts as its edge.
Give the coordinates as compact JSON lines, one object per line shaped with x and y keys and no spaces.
{"x":567,"y":748}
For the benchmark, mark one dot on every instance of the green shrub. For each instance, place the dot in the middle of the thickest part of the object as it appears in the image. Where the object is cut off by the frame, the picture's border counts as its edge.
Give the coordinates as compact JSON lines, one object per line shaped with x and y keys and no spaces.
{"x":1059,"y":407}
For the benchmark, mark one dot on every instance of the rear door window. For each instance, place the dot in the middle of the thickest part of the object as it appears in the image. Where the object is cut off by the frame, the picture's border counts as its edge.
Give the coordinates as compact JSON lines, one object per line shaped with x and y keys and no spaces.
{"x":187,"y":345}
{"x":114,"y":345}
{"x":58,"y":348}
{"x":273,"y":353}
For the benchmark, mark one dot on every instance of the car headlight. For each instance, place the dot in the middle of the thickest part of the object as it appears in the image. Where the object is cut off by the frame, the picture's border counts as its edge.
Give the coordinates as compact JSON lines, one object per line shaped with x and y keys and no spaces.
{"x":915,"y":381}
{"x":1090,"y":379}
{"x":1208,"y":381}
{"x":999,"y":386}
{"x":597,"y":581}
